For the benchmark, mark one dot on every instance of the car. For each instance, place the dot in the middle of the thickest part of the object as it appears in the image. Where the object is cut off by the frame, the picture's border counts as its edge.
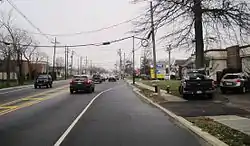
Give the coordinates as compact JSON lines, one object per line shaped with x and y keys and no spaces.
{"x":112,"y":79}
{"x":81,"y":83}
{"x":43,"y":80}
{"x":117,"y":77}
{"x":97,"y":78}
{"x":195,"y":83}
{"x":235,"y":82}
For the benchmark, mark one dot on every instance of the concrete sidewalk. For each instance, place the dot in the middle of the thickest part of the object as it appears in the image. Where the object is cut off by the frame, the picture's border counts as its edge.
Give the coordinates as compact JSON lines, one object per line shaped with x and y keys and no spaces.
{"x":164,"y":94}
{"x":241,"y":124}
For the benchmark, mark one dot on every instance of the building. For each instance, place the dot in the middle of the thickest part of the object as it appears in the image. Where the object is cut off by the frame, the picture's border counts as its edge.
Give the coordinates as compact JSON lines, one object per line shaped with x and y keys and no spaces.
{"x":234,"y":57}
{"x":35,"y":67}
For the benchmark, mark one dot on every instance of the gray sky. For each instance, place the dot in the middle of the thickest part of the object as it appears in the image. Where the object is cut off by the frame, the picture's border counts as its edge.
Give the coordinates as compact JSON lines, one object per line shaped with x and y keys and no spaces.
{"x":70,"y":16}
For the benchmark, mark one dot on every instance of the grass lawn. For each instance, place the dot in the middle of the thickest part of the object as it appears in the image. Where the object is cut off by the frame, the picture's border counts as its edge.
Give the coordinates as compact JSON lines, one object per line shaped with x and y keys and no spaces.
{"x":224,"y":133}
{"x":174,"y":85}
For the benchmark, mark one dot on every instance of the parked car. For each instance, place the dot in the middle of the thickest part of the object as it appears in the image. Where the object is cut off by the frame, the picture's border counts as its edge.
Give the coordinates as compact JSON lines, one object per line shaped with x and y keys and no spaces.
{"x":112,"y":79}
{"x":195,"y":83}
{"x":81,"y":83}
{"x":97,"y":78}
{"x":235,"y":82}
{"x":43,"y":80}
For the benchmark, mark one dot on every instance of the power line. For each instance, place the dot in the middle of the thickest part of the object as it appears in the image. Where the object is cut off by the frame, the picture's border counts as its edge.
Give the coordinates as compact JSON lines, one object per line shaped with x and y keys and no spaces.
{"x":74,"y":46}
{"x":26,"y":18}
{"x":91,"y":31}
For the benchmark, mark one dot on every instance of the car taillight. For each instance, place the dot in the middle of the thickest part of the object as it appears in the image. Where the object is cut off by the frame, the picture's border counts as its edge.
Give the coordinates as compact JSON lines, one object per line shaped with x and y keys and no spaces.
{"x":72,"y":82}
{"x":238,"y":81}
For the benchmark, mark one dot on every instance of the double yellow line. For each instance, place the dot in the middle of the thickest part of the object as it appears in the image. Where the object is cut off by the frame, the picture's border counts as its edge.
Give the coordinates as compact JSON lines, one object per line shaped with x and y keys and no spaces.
{"x":30,"y":100}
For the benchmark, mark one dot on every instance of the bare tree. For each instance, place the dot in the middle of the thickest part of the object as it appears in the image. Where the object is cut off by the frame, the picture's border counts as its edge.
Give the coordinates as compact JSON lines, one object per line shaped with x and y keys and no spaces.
{"x":18,"y":40}
{"x":224,"y":20}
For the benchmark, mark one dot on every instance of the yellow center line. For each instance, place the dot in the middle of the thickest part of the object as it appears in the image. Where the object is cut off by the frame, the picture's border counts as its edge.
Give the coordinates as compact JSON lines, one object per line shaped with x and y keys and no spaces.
{"x":30,"y":103}
{"x":32,"y":96}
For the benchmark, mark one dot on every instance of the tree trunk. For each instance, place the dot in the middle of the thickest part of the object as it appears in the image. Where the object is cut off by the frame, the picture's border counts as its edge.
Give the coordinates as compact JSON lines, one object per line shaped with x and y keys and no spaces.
{"x":20,"y":64}
{"x":199,"y":46}
{"x":8,"y":69}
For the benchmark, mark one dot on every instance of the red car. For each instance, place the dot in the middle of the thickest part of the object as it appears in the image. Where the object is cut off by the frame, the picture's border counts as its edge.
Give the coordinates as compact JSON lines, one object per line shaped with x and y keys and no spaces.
{"x":81,"y":83}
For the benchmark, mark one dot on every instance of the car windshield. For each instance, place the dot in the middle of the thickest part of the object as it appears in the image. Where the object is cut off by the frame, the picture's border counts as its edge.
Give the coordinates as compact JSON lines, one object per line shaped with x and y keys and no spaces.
{"x":231,"y":77}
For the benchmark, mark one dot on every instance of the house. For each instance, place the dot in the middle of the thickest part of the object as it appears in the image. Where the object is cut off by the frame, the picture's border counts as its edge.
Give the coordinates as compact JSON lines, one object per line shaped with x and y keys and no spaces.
{"x":234,"y":57}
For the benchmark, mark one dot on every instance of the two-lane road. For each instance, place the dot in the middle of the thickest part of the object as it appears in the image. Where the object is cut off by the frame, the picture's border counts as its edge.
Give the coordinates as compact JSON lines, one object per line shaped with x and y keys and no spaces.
{"x":10,"y":94}
{"x":116,"y":117}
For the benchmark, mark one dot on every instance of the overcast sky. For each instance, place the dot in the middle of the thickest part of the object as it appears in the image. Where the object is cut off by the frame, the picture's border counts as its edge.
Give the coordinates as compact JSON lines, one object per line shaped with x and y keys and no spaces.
{"x":71,"y":16}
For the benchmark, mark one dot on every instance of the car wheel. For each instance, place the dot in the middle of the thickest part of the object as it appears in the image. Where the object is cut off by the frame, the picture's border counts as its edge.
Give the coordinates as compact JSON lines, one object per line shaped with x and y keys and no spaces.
{"x":93,"y":89}
{"x":223,"y":91}
{"x":35,"y":87}
{"x":47,"y":86}
{"x":71,"y":91}
{"x":185,"y":96}
{"x":243,"y":90}
{"x":210,"y":96}
{"x":50,"y":85}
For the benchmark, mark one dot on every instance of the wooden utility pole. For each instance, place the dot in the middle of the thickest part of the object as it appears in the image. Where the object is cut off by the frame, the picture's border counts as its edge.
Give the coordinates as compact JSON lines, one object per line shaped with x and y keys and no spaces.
{"x":72,"y":57}
{"x":133,"y":51}
{"x":86,"y":64}
{"x":153,"y":38}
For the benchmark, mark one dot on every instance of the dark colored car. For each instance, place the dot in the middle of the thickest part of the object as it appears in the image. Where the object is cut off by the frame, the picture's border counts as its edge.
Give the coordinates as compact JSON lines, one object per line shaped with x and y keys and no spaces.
{"x":195,"y":83}
{"x":81,"y":83}
{"x":117,"y":77}
{"x":112,"y":79}
{"x":97,"y":78}
{"x":235,"y":82}
{"x":43,"y":80}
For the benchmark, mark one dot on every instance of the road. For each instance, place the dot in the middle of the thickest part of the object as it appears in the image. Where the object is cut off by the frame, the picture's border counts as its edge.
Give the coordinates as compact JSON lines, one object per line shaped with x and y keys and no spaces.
{"x":116,"y":117}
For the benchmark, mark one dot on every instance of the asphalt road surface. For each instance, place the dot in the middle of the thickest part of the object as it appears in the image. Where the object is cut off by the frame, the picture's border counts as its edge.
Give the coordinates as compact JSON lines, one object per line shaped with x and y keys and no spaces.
{"x":17,"y":93}
{"x":116,"y":117}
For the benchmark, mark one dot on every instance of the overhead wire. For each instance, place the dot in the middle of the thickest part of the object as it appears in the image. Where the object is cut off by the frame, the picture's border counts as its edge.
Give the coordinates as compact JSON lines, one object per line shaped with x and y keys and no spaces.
{"x":91,"y":31}
{"x":27,"y":19}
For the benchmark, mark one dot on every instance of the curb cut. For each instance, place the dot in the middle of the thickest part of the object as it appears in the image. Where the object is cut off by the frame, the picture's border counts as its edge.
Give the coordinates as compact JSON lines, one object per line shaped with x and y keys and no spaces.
{"x":208,"y":138}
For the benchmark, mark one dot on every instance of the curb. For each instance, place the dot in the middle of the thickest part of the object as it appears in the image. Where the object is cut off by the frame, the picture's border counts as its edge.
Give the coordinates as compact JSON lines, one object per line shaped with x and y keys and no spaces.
{"x":208,"y":138}
{"x":26,"y":86}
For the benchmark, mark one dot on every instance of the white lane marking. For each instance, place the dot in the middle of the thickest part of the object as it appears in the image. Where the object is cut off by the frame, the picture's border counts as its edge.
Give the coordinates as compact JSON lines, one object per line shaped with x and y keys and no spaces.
{"x":60,"y":140}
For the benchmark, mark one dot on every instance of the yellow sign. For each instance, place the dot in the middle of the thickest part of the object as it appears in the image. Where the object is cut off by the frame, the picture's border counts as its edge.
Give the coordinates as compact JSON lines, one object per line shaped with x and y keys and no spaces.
{"x":159,"y":76}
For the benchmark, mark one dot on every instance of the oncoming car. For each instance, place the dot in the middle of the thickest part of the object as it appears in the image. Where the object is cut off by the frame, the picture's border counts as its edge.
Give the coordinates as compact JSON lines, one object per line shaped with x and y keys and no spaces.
{"x":81,"y":83}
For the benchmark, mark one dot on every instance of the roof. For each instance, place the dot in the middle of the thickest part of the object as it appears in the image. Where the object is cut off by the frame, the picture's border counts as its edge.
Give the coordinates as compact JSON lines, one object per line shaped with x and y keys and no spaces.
{"x":180,"y":61}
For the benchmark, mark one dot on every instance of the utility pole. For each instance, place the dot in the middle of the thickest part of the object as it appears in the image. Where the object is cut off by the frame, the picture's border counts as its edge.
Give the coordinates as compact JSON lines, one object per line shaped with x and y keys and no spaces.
{"x":169,"y":60}
{"x":153,"y":38}
{"x":47,"y":66}
{"x":133,"y":51}
{"x":86,"y":64}
{"x":124,"y":64}
{"x":65,"y":63}
{"x":120,"y":55}
{"x":67,"y":58}
{"x":54,"y":57}
{"x":71,"y":69}
{"x":81,"y":65}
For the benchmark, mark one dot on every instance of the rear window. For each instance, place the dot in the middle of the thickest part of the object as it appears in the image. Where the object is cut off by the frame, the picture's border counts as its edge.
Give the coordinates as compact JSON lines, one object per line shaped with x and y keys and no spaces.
{"x":231,"y":77}
{"x":78,"y":78}
{"x":196,"y":76}
{"x":42,"y":77}
{"x":96,"y":76}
